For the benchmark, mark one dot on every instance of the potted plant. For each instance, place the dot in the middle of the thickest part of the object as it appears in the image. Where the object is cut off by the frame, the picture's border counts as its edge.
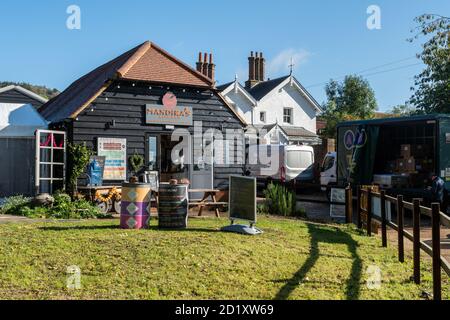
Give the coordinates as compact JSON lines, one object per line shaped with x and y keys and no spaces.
{"x":136,"y":163}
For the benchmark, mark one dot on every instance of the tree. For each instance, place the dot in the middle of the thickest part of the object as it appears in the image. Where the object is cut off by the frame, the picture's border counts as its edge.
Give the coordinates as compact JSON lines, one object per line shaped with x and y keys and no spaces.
{"x":432,"y":85}
{"x":351,"y":99}
{"x":43,"y":91}
{"x":402,"y":110}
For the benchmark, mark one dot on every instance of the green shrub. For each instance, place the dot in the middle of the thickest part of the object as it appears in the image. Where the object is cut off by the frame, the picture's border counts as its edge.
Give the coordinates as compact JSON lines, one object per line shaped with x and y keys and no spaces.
{"x":280,"y":200}
{"x":14,"y":205}
{"x":62,"y":208}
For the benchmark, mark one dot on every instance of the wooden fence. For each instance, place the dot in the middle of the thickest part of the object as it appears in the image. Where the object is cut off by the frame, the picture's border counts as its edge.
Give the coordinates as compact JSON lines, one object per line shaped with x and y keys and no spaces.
{"x":437,"y":219}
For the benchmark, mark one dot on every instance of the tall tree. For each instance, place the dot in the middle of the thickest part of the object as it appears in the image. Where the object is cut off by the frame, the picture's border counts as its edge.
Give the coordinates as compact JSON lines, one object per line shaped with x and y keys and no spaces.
{"x":432,"y":85}
{"x":350,"y":99}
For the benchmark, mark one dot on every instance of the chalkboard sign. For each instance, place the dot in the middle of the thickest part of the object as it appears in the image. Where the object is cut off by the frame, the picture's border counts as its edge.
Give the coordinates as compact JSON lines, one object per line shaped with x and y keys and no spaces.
{"x":337,"y":196}
{"x":152,"y":178}
{"x":243,"y":198}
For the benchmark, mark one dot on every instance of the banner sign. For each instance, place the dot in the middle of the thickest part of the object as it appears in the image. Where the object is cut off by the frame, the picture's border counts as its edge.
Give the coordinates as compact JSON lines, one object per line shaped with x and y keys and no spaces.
{"x":243,"y":198}
{"x":115,"y":152}
{"x":169,"y":115}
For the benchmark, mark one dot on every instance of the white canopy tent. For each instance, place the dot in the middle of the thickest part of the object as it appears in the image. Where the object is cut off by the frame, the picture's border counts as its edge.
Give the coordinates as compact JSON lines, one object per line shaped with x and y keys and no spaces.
{"x":18,"y":124}
{"x":19,"y":120}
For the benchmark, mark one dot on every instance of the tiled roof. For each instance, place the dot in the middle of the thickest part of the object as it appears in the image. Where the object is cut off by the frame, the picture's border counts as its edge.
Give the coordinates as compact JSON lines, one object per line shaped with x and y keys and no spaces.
{"x":298,"y":132}
{"x":263,"y":88}
{"x":224,"y":86}
{"x":146,"y":62}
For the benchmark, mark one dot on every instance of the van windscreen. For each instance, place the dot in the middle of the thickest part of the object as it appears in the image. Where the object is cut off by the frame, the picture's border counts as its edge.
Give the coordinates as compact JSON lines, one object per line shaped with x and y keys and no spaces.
{"x":299,"y":159}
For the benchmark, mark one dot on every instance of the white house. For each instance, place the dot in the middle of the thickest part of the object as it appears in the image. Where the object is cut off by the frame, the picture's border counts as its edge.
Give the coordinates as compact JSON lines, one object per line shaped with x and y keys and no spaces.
{"x":282,"y":106}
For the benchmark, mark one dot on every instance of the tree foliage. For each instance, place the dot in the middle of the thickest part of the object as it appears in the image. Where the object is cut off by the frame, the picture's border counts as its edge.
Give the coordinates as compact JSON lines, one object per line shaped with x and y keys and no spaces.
{"x":402,"y":110}
{"x":432,"y":85}
{"x":43,"y":91}
{"x":351,"y":99}
{"x":79,"y":156}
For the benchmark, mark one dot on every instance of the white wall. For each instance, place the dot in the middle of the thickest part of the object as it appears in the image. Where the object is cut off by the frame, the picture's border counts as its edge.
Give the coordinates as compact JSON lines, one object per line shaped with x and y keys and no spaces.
{"x":241,"y":104}
{"x":288,"y":97}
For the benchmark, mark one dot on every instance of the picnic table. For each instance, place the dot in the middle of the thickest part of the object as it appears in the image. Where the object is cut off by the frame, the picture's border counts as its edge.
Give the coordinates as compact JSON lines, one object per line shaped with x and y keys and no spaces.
{"x":209,"y":200}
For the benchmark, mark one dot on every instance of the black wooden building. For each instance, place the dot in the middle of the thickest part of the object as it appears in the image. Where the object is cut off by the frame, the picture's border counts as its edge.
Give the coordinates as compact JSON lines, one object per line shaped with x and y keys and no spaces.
{"x":116,"y":100}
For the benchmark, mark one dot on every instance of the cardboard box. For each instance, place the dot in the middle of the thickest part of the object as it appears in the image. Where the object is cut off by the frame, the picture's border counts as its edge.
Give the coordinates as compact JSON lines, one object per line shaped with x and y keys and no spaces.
{"x":406,"y":165}
{"x":405,"y":151}
{"x":401,"y":165}
{"x":421,"y":151}
{"x":410,"y":164}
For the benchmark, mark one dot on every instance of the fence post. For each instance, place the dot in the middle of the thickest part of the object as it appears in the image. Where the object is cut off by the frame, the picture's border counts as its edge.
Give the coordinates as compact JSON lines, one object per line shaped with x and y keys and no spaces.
{"x":358,"y":206}
{"x":436,"y":236}
{"x":369,"y":213}
{"x":400,"y":223}
{"x":383,"y":219}
{"x":416,"y":240}
{"x":348,"y":205}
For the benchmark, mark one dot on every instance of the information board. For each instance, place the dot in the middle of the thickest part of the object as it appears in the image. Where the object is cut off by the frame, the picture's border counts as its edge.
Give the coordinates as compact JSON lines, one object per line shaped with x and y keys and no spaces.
{"x":115,"y":152}
{"x":337,"y":210}
{"x":242,"y":198}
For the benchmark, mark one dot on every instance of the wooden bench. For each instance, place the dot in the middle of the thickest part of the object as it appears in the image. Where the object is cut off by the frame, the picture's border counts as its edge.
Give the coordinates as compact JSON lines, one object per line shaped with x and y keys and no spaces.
{"x":205,"y":202}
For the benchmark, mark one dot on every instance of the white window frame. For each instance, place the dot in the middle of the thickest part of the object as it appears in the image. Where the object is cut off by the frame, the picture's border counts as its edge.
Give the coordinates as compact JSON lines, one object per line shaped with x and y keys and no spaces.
{"x":52,"y":164}
{"x":291,"y":115}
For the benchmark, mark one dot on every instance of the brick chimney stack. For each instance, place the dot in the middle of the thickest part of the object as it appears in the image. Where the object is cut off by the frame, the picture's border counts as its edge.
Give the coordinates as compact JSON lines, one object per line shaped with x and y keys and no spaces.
{"x":256,"y":69}
{"x":211,"y":68}
{"x":200,"y":63}
{"x":205,"y":67}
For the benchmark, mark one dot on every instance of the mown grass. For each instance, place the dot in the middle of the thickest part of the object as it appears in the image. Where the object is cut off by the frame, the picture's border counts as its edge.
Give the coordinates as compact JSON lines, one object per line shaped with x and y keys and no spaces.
{"x":291,"y":260}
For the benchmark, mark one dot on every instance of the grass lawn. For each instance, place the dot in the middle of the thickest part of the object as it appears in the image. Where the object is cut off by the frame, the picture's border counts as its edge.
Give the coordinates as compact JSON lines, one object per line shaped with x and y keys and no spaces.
{"x":292,"y":260}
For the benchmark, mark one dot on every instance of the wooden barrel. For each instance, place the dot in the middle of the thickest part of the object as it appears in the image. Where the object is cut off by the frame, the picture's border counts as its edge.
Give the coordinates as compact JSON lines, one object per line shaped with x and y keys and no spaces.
{"x":173,"y":206}
{"x":135,"y":206}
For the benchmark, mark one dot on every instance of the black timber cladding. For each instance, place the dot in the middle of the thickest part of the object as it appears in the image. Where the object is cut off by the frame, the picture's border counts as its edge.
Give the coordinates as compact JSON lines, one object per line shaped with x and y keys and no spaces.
{"x":15,"y":96}
{"x":126,"y":107}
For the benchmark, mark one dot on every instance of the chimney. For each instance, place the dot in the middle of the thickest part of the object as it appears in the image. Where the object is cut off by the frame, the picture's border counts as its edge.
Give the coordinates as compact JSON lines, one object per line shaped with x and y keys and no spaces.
{"x":211,"y":68}
{"x":200,"y":63}
{"x":256,"y":70}
{"x":257,"y":62}
{"x":262,"y":67}
{"x":205,"y":65}
{"x":206,"y":68}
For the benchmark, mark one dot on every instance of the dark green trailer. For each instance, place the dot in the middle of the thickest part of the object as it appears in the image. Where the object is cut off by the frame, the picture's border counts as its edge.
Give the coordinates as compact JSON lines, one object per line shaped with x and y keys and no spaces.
{"x":366,"y":148}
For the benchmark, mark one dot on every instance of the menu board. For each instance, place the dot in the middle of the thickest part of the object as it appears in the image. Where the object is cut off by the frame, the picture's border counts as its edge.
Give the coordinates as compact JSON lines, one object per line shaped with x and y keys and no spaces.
{"x":243,"y":198}
{"x":337,"y":196}
{"x":115,"y":152}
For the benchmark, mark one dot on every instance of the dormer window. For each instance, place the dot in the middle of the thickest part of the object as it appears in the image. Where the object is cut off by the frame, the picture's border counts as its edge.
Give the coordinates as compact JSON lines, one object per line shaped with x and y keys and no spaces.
{"x":262,"y":117}
{"x":287,"y":116}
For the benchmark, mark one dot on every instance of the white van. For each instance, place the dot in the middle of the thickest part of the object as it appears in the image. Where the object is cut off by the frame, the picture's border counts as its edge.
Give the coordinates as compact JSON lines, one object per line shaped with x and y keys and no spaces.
{"x":328,"y":172}
{"x":290,"y":163}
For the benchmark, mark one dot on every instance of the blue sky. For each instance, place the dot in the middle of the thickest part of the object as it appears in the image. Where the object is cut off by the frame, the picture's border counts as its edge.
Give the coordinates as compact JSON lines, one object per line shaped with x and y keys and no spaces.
{"x":327,"y":39}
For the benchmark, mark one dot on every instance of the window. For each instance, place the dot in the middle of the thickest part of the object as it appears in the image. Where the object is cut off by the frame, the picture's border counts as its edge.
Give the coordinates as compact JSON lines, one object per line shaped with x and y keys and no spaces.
{"x":287,"y":115}
{"x":262,"y":117}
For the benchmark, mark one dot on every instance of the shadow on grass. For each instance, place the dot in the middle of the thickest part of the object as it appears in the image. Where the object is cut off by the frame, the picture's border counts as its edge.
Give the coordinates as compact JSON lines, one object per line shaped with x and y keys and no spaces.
{"x":116,"y":227}
{"x":319,"y":235}
{"x":69,"y":228}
